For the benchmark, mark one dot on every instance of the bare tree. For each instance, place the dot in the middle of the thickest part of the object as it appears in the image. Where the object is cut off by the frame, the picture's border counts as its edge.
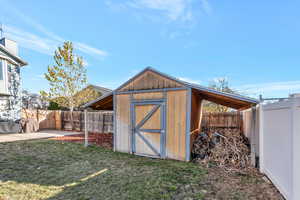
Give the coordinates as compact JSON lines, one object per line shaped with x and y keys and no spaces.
{"x":222,"y":85}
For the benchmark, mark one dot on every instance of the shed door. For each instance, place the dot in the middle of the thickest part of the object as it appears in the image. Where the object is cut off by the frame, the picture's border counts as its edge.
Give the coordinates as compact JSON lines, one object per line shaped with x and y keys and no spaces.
{"x":148,"y":128}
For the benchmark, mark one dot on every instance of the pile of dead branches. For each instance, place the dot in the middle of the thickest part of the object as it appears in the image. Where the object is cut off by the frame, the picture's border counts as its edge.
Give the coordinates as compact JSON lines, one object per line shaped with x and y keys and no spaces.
{"x":225,"y":147}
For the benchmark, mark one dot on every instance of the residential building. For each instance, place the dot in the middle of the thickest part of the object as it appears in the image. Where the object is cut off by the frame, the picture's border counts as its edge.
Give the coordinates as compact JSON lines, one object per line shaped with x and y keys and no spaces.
{"x":10,"y":80}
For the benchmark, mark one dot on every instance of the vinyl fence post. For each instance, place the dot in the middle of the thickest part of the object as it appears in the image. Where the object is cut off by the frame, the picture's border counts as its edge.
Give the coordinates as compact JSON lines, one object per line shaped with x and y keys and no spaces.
{"x":253,"y":137}
{"x":86,"y":142}
{"x":261,"y":138}
{"x":296,"y":149}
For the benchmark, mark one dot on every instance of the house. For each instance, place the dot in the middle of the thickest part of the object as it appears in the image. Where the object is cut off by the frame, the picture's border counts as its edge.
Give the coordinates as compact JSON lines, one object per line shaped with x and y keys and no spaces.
{"x":92,"y":92}
{"x":157,"y":115}
{"x":10,"y":80}
{"x":82,"y":97}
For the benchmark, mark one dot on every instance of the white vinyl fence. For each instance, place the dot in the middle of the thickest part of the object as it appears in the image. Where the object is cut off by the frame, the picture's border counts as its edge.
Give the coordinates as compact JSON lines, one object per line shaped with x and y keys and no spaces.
{"x":280,"y":145}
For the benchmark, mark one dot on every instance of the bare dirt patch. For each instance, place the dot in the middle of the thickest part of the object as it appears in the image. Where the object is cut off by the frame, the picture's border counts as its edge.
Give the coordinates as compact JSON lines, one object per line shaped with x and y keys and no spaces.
{"x":224,"y":183}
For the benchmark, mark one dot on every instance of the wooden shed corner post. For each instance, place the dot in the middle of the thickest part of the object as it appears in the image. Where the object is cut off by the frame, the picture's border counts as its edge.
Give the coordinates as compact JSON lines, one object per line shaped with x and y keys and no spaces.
{"x":86,"y":136}
{"x":114,"y":121}
{"x":188,"y":124}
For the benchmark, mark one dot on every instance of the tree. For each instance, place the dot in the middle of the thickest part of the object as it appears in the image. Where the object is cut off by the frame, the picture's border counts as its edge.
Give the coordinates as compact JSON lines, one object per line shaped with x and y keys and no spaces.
{"x":54,"y":106}
{"x":220,"y":84}
{"x":66,"y":78}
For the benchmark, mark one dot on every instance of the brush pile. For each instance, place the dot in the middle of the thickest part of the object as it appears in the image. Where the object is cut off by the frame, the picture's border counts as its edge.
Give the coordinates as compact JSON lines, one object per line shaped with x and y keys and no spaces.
{"x":225,"y":147}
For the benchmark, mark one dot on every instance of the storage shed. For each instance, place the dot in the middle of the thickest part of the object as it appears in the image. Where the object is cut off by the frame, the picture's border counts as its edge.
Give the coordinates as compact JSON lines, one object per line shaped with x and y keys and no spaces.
{"x":157,"y":115}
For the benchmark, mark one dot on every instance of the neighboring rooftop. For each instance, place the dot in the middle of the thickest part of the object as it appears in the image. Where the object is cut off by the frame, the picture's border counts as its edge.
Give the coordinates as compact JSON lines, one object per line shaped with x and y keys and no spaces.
{"x":103,"y":90}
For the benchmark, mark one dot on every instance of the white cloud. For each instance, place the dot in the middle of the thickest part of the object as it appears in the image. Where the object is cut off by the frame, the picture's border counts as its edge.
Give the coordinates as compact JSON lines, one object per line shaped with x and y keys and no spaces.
{"x":173,"y":10}
{"x":31,"y":41}
{"x":206,"y":6}
{"x":271,"y":88}
{"x":44,"y":41}
{"x":89,"y":50}
{"x":118,"y":82}
{"x":46,"y":45}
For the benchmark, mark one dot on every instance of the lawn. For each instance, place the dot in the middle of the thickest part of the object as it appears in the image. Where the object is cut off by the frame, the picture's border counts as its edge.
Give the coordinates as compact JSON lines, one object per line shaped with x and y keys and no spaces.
{"x":47,"y":169}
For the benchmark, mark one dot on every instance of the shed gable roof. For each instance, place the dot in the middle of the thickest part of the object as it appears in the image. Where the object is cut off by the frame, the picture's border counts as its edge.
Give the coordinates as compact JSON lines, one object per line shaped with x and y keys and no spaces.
{"x":149,"y":79}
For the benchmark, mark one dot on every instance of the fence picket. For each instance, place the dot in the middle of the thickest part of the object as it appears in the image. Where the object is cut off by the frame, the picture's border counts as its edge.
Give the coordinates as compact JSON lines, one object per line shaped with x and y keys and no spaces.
{"x":222,"y":120}
{"x":97,"y":122}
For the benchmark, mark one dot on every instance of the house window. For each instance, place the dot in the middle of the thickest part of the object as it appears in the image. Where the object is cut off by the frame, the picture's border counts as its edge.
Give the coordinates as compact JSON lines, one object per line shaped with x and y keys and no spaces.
{"x":3,"y":77}
{"x":1,"y":69}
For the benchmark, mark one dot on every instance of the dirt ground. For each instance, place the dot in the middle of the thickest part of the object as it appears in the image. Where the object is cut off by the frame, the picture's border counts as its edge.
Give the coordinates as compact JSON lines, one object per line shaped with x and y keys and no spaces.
{"x":239,"y":184}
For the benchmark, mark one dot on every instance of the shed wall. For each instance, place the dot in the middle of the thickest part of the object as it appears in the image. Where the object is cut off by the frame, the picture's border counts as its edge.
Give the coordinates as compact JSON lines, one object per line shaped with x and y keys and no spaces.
{"x":176,"y":124}
{"x":176,"y":108}
{"x":149,"y":95}
{"x":122,"y":134}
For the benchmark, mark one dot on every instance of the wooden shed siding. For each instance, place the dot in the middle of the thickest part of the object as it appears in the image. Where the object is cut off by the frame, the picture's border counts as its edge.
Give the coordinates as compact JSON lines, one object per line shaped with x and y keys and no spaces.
{"x":143,"y":148}
{"x":195,"y":116}
{"x":176,"y":124}
{"x":150,"y":80}
{"x":153,"y":122}
{"x":150,"y":95}
{"x":123,"y":123}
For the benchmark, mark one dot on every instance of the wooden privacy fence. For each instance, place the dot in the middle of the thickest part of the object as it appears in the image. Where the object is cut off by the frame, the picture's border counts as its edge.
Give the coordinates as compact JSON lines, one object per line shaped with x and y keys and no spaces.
{"x":97,"y":122}
{"x":102,"y":121}
{"x":47,"y":119}
{"x":222,"y":120}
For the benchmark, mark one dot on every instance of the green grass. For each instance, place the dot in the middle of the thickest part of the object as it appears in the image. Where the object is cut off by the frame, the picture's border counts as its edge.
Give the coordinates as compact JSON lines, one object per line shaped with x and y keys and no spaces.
{"x":48,"y":169}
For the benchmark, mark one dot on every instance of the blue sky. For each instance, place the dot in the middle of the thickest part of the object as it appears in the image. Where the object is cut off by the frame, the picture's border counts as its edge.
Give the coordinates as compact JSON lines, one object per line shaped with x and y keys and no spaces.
{"x":254,"y":44}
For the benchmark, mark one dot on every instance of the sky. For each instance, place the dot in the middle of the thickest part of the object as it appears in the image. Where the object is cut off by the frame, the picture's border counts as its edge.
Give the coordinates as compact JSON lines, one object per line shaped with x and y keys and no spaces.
{"x":254,"y":44}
